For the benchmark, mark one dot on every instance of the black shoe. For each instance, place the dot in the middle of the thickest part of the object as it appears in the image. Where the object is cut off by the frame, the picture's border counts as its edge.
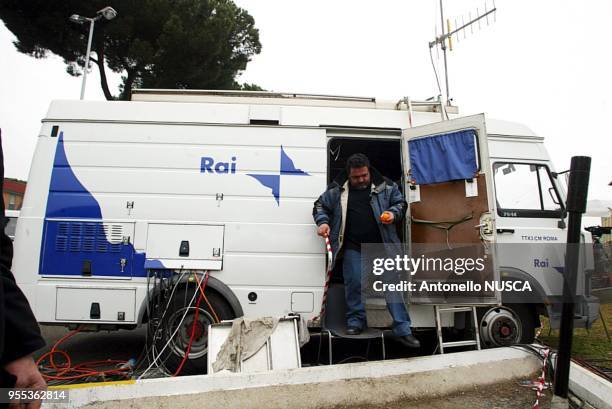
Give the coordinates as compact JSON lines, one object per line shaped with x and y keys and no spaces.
{"x":353,"y":331}
{"x":409,"y":341}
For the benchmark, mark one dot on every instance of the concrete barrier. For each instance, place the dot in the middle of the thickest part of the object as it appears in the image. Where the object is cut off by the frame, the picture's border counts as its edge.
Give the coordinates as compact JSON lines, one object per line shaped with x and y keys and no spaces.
{"x":590,"y":388}
{"x":316,"y":387}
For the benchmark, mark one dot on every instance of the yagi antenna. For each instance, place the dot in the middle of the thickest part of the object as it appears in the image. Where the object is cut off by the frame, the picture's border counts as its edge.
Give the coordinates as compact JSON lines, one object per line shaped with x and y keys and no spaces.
{"x":440,"y":40}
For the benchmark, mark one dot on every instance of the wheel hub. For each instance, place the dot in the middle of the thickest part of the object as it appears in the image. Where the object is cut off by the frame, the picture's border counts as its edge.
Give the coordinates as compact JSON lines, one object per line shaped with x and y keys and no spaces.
{"x":180,"y":341}
{"x":500,"y":326}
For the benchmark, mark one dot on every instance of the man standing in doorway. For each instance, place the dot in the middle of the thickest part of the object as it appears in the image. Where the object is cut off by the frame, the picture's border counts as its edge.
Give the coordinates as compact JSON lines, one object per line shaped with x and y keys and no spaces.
{"x":363,"y":208}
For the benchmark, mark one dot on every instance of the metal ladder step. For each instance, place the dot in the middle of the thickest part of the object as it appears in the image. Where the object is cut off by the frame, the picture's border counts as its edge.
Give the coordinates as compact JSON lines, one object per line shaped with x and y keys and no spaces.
{"x":459,"y":343}
{"x":453,"y":344}
{"x":456,"y":309}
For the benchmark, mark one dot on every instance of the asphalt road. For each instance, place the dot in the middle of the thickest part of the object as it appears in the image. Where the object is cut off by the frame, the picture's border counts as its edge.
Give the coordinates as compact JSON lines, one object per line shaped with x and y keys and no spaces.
{"x":88,"y":346}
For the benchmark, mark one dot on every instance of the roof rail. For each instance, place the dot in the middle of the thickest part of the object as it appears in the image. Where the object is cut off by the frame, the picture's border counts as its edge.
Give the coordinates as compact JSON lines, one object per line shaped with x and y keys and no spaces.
{"x":256,"y":94}
{"x":274,"y":98}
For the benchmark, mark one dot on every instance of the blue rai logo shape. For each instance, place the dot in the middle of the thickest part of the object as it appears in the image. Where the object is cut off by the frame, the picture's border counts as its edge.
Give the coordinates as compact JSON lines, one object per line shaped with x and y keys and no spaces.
{"x":273,"y":181}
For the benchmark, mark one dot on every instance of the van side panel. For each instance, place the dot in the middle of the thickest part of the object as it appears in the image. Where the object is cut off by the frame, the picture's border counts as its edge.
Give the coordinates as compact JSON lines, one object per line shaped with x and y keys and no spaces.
{"x":110,"y":181}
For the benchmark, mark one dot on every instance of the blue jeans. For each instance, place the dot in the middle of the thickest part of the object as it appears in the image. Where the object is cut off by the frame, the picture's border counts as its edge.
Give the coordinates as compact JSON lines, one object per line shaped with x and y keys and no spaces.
{"x":356,"y":314}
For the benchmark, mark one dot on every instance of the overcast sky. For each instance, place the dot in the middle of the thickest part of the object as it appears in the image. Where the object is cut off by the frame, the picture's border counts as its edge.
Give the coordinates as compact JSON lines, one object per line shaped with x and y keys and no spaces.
{"x":544,"y":63}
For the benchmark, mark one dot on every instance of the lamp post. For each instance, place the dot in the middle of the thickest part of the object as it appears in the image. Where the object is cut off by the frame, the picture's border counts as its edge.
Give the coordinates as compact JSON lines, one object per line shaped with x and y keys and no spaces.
{"x":107,"y":13}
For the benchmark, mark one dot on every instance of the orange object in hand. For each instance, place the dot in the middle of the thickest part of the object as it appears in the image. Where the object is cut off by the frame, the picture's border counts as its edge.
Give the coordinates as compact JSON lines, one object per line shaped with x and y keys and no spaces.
{"x":386,"y":217}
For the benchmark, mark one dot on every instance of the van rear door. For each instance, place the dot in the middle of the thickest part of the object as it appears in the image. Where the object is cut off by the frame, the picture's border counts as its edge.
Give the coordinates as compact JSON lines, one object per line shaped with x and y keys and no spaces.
{"x":447,"y":180}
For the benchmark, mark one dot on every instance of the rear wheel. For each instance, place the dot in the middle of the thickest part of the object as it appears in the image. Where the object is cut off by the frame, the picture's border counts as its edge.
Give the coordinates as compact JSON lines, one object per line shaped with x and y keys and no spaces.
{"x":508,"y":325}
{"x":177,"y":326}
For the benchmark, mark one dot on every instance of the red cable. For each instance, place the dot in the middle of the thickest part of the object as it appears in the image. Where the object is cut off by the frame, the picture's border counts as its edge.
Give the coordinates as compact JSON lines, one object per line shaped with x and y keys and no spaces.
{"x":54,"y":350}
{"x":195,"y":321}
{"x":82,"y":370}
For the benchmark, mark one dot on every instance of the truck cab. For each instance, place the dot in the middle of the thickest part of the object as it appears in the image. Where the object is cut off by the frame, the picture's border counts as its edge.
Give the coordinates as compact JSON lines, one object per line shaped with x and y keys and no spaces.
{"x":531,"y":222}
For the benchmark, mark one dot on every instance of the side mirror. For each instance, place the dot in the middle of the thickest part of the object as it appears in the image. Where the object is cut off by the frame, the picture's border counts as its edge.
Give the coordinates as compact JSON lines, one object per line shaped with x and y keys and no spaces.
{"x":561,"y":223}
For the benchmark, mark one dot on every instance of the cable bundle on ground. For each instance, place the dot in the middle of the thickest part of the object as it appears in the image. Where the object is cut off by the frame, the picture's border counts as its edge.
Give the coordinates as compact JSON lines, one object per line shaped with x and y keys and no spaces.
{"x":57,"y":368}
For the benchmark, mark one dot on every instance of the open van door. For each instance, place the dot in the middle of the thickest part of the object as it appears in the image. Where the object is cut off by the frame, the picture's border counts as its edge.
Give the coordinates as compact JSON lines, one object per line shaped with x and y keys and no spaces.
{"x":450,"y":218}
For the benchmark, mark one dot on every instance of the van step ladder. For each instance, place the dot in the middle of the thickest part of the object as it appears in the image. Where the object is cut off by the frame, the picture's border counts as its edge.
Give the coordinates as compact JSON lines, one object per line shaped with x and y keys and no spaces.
{"x":446,"y":309}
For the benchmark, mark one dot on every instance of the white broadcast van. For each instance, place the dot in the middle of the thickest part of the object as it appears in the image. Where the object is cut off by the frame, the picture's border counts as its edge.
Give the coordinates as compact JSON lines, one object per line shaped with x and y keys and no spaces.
{"x":123,"y":196}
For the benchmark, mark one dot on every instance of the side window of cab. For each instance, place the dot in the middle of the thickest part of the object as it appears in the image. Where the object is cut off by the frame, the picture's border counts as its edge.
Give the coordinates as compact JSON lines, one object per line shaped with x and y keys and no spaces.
{"x":526,"y":190}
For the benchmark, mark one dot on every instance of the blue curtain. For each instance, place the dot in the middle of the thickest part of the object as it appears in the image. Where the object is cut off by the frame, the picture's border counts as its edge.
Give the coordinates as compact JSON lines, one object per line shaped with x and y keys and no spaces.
{"x":442,"y":158}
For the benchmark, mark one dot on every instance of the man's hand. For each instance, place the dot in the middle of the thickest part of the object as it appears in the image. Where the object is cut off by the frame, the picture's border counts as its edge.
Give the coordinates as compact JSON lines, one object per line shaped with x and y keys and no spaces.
{"x":28,"y":377}
{"x":323,"y":230}
{"x":387,"y":217}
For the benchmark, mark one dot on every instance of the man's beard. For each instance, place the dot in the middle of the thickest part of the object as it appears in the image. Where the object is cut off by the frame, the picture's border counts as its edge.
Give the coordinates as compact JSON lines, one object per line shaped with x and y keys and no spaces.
{"x":361,"y":186}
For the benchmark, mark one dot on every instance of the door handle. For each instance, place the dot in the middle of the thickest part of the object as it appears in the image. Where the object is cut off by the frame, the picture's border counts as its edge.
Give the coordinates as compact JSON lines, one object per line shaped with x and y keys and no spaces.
{"x":502,"y":231}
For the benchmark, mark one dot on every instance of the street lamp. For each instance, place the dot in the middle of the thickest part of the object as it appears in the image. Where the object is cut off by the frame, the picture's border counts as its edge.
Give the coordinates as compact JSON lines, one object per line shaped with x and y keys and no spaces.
{"x":107,"y":13}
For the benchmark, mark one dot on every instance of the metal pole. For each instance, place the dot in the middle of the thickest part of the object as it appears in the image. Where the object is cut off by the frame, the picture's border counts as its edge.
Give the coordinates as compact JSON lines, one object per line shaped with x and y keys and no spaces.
{"x":444,"y":50}
{"x":576,"y":206}
{"x":91,"y":29}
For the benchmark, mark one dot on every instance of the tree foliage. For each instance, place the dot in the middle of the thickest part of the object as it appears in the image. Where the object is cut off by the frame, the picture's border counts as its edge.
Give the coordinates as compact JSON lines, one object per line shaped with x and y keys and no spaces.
{"x":196,"y":44}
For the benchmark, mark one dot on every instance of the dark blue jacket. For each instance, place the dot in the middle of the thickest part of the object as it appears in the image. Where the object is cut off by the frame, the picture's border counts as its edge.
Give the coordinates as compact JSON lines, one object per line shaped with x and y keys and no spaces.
{"x":330,"y":208}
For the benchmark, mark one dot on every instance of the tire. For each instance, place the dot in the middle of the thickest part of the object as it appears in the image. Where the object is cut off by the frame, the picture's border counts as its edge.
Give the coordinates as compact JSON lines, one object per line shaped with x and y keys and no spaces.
{"x":174,"y":347}
{"x":527,"y":315}
{"x":508,"y":325}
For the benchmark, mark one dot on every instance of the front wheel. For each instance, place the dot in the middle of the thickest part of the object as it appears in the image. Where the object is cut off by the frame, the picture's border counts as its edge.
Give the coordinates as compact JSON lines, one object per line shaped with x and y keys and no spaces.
{"x":508,"y":325}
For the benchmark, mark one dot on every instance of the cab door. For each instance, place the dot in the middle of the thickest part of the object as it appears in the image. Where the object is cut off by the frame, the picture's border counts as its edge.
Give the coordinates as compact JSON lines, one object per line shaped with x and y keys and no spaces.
{"x":530,"y":223}
{"x":451,"y":207}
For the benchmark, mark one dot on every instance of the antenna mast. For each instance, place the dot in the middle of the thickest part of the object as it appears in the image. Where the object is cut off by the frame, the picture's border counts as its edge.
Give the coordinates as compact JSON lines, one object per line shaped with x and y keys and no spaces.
{"x":442,"y":38}
{"x":443,"y":44}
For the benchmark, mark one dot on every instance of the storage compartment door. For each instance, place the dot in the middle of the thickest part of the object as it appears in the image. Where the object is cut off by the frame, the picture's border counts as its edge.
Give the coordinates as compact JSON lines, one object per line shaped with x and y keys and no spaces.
{"x":188,"y":246}
{"x":100,"y":305}
{"x":448,"y":186}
